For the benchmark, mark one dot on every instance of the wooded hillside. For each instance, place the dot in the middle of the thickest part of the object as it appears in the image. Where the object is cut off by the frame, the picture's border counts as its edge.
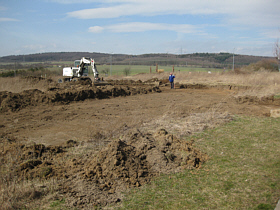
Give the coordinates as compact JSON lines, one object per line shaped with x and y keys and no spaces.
{"x":215,"y":60}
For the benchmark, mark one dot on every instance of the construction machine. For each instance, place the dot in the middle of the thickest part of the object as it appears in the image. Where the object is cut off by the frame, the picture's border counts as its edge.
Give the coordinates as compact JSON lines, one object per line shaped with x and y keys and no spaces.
{"x":80,"y":71}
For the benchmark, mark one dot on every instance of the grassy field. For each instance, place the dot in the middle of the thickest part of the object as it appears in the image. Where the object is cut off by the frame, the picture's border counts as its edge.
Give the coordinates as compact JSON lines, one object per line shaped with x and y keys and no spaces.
{"x":119,"y":70}
{"x":243,"y":171}
{"x":112,"y":70}
{"x":136,"y":69}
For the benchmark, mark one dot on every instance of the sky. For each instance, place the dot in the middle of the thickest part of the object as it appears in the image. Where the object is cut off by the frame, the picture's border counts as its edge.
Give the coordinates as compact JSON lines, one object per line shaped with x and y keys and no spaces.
{"x":134,"y":27}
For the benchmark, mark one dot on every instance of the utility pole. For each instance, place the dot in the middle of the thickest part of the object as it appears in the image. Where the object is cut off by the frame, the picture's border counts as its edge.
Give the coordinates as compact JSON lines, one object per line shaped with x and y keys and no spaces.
{"x":111,"y":64}
{"x":15,"y":69}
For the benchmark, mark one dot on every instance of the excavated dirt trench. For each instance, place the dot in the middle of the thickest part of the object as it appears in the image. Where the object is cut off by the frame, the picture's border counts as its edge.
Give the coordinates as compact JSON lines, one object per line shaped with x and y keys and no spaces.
{"x":79,"y":91}
{"x":63,"y":95}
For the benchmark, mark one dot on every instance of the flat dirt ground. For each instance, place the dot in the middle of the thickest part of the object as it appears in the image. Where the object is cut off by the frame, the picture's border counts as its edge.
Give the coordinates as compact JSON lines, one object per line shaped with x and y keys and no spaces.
{"x":53,"y":123}
{"x":37,"y":124}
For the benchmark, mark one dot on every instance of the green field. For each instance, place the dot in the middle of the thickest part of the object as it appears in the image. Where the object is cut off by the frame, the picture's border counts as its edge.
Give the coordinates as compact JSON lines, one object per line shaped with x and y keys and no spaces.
{"x":136,"y":69}
{"x":104,"y":70}
{"x":243,"y":171}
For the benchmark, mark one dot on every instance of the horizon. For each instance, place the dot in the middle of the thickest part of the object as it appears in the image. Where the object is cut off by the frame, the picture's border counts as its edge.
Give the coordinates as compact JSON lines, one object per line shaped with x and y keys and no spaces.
{"x":139,"y":27}
{"x":136,"y":54}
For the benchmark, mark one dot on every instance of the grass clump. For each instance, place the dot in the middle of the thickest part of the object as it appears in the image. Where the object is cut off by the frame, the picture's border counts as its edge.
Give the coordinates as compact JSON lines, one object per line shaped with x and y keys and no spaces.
{"x":243,"y":171}
{"x":277,"y":96}
{"x":57,"y":204}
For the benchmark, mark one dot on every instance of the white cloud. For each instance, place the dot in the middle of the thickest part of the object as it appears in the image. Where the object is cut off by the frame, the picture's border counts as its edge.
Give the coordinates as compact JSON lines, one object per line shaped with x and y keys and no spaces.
{"x":142,"y":26}
{"x":88,"y":1}
{"x":96,"y":29}
{"x":109,"y":12}
{"x":72,"y":1}
{"x":249,"y":12}
{"x":7,"y":19}
{"x":38,"y":47}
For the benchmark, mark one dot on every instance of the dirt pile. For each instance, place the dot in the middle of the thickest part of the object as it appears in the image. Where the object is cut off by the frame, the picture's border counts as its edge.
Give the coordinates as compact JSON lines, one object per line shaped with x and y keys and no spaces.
{"x":67,"y":93}
{"x":151,"y":82}
{"x":265,"y":100}
{"x":125,"y":82}
{"x":132,"y":162}
{"x":34,"y":160}
{"x":136,"y":159}
{"x":100,"y":178}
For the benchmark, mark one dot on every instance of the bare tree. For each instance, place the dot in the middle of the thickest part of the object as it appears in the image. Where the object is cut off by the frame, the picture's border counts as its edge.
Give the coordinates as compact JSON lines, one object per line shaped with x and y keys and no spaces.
{"x":277,"y":49}
{"x":277,"y":52}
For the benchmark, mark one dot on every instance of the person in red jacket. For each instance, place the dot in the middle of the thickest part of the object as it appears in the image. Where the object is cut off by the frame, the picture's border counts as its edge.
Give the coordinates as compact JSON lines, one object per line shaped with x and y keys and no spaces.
{"x":171,"y":80}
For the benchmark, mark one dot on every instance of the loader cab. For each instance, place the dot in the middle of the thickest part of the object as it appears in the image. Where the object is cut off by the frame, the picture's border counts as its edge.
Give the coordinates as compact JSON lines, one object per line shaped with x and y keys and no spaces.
{"x":85,"y":70}
{"x":76,"y":63}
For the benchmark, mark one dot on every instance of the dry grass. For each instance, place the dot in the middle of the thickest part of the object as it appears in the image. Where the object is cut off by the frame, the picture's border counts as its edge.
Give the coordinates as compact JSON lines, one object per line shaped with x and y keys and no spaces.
{"x":182,"y":121}
{"x":18,"y":84}
{"x":27,"y":194}
{"x":231,"y":78}
{"x":260,"y":83}
{"x":17,"y":193}
{"x":194,"y":123}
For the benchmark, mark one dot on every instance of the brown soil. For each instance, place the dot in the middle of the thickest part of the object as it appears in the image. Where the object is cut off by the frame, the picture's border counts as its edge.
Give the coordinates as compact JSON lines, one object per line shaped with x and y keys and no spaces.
{"x":100,"y":141}
{"x":99,"y":178}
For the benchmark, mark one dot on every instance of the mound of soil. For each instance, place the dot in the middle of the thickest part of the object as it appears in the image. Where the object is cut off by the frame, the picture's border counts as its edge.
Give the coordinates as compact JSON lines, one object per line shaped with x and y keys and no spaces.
{"x":67,"y":93}
{"x":100,"y":178}
{"x":33,"y":161}
{"x":153,"y":81}
{"x":266,"y":100}
{"x":132,"y":162}
{"x":125,"y":82}
{"x":141,"y":156}
{"x":33,"y":79}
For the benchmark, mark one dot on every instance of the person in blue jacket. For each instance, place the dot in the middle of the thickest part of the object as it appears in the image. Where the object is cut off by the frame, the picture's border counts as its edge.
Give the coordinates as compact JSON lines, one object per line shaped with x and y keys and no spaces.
{"x":171,"y":80}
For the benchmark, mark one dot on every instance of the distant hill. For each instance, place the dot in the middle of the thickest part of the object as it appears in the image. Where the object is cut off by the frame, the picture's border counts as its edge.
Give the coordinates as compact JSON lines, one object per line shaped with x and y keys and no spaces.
{"x":51,"y":56}
{"x":202,"y":59}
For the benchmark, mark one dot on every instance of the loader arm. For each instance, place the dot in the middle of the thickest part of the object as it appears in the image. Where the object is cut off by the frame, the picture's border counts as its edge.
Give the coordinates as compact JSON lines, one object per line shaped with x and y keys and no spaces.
{"x":90,"y":62}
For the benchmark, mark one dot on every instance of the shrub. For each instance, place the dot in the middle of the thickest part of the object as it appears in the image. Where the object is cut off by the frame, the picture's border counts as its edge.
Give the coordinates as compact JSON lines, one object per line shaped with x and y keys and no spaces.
{"x":126,"y":71}
{"x":268,"y":64}
{"x":36,"y":72}
{"x":8,"y":74}
{"x":105,"y":71}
